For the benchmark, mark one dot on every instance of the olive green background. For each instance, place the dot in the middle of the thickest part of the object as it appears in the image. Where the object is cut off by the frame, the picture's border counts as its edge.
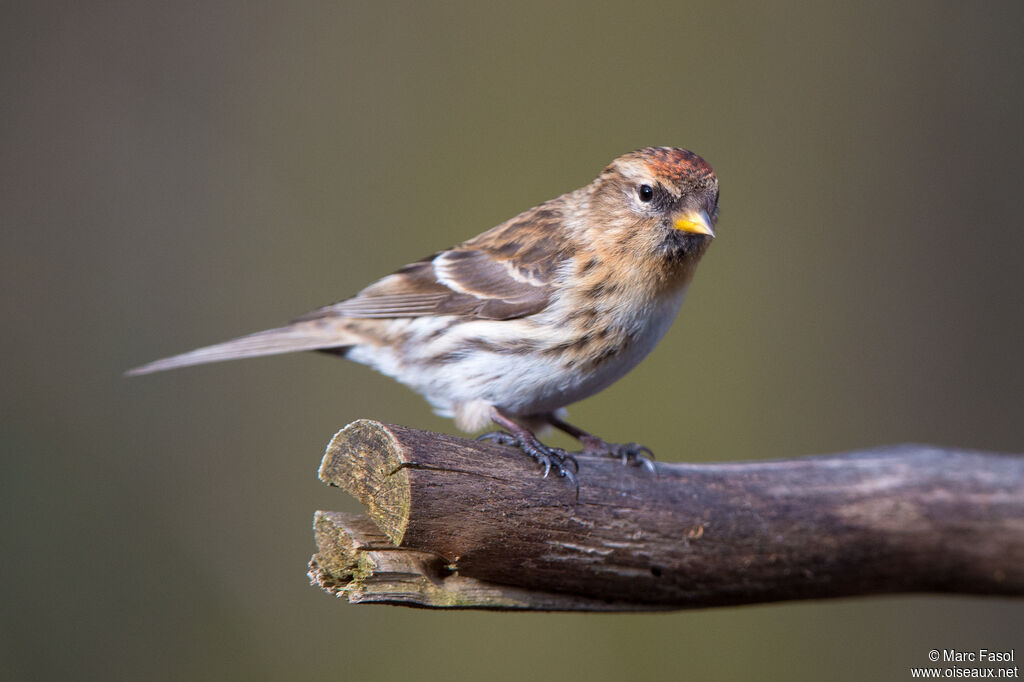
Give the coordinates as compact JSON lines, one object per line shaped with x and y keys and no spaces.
{"x":177,"y":175}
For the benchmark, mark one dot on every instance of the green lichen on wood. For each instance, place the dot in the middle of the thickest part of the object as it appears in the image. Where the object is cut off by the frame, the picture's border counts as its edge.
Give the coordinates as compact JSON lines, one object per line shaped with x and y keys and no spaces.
{"x":339,"y":555}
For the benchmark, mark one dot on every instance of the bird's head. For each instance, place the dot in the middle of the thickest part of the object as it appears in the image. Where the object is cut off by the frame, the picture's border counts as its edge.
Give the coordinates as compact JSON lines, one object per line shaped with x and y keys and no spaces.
{"x":663,"y":199}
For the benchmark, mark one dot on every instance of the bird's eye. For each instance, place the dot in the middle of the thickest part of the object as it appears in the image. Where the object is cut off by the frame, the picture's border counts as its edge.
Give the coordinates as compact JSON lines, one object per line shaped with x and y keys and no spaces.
{"x":645,"y":192}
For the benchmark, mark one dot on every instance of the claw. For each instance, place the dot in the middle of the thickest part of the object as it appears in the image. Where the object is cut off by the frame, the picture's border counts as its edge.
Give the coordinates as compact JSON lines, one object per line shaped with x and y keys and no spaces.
{"x":565,"y":473}
{"x":567,"y":457}
{"x":645,"y":462}
{"x":545,"y":456}
{"x":630,"y":453}
{"x":499,"y":437}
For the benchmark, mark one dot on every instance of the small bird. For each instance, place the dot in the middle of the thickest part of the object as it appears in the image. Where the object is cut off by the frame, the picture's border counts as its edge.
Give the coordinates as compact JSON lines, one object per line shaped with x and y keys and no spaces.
{"x":537,"y":313}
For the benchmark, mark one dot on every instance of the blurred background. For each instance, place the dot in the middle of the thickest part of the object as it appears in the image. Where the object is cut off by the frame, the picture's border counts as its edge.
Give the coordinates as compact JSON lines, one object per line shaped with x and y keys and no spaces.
{"x":175,"y":175}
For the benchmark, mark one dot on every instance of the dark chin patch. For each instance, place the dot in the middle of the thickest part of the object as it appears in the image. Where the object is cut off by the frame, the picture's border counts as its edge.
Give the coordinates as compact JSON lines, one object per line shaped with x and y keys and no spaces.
{"x":679,"y":244}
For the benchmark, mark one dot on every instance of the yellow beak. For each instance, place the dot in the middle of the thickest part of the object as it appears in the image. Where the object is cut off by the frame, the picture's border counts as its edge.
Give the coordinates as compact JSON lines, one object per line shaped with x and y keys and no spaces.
{"x":695,"y":222}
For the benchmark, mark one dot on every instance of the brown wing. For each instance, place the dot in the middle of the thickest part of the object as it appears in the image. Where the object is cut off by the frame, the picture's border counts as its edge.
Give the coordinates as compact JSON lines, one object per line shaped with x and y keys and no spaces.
{"x":508,"y":272}
{"x":505,"y":273}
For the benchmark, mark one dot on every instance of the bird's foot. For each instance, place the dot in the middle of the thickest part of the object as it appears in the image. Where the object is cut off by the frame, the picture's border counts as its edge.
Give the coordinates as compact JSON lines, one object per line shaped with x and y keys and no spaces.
{"x":630,"y":453}
{"x":548,"y":457}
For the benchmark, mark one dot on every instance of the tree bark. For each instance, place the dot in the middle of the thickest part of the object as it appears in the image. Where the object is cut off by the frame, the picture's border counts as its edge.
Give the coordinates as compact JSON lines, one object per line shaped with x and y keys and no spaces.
{"x":461,"y":523}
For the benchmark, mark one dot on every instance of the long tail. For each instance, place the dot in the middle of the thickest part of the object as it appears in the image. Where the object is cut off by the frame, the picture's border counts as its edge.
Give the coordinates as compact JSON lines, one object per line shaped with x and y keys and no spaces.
{"x":313,"y":335}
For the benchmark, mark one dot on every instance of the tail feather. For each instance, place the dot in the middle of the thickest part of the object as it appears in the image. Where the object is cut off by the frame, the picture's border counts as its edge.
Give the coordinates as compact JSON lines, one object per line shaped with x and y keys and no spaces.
{"x":288,"y":339}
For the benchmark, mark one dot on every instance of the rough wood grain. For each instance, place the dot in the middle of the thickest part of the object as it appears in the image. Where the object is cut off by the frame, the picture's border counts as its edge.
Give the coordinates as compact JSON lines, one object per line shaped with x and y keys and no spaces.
{"x":906,"y":518}
{"x":356,"y":560}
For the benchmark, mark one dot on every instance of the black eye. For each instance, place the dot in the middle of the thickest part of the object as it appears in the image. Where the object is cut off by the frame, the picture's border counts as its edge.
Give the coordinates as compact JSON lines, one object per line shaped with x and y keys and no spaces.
{"x":645,"y":192}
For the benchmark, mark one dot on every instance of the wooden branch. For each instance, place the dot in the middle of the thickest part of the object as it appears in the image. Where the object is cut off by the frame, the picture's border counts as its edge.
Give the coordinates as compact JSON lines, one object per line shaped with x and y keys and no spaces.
{"x":466,"y":524}
{"x":356,"y":560}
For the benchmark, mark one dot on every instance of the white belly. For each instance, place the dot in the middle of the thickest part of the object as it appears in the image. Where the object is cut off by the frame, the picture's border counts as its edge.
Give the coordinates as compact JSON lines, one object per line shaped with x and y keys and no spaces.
{"x":469,"y":382}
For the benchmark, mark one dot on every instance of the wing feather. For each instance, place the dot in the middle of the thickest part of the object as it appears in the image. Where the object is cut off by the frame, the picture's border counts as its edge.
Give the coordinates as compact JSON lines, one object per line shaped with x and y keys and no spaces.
{"x":505,"y":273}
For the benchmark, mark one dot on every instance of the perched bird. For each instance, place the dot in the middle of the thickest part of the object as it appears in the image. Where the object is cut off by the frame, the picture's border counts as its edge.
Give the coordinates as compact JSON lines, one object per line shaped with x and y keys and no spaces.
{"x":539,"y":312}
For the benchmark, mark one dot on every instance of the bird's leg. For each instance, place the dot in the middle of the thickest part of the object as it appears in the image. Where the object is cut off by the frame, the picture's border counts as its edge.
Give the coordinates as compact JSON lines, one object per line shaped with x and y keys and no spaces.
{"x":630,"y":453}
{"x":521,"y":437}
